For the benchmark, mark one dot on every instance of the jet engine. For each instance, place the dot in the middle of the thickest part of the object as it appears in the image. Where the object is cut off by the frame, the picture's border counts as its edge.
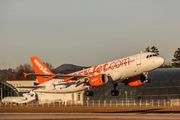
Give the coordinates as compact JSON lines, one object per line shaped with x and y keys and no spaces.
{"x":137,"y":80}
{"x":98,"y":80}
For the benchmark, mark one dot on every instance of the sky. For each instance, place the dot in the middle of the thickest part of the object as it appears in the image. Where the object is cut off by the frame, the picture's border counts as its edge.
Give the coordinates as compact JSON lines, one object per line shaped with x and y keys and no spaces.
{"x":86,"y":32}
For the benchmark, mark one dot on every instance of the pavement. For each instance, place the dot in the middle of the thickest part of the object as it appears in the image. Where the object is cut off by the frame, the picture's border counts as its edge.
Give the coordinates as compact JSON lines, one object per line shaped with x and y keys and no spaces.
{"x":20,"y":116}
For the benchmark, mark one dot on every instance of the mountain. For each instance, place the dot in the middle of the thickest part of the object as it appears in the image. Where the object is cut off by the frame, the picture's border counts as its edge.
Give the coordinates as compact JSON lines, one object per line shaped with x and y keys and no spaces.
{"x":70,"y":67}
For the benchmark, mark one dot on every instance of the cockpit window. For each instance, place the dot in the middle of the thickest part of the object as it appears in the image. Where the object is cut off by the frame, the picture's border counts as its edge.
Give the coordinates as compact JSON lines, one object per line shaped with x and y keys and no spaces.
{"x":148,"y":56}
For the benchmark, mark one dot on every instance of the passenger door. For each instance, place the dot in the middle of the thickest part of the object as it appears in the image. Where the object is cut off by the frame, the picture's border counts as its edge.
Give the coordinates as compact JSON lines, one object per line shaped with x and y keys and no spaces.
{"x":138,"y":59}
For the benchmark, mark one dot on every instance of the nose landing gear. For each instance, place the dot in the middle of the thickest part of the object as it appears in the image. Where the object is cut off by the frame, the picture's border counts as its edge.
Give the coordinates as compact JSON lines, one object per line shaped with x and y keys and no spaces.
{"x":115,"y":92}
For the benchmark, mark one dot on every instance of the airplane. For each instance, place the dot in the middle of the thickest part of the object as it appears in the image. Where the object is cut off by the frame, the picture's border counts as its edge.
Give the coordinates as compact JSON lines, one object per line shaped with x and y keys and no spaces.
{"x":132,"y":71}
{"x":24,"y":99}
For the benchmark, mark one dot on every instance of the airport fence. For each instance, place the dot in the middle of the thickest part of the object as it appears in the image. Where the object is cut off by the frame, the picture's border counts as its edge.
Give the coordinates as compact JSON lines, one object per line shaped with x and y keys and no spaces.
{"x":101,"y":103}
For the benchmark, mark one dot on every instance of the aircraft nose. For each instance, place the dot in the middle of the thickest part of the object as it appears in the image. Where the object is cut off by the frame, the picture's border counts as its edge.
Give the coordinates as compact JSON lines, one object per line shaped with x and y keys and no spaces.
{"x":161,"y":61}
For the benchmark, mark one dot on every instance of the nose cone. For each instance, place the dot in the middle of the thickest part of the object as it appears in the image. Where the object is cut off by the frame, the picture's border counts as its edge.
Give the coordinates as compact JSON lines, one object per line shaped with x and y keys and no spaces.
{"x":160,"y":61}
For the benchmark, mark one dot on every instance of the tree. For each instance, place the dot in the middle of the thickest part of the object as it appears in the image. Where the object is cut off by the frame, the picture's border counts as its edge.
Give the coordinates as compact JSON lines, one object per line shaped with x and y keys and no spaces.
{"x":6,"y":74}
{"x":176,"y":59}
{"x":18,"y":75}
{"x":155,"y":50}
{"x":147,"y":49}
{"x":49,"y":66}
{"x":166,"y":65}
{"x":152,"y":49}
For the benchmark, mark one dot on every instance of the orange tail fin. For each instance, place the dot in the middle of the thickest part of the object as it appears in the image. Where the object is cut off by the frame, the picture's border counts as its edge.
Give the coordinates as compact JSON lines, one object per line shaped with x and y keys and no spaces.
{"x":40,"y":68}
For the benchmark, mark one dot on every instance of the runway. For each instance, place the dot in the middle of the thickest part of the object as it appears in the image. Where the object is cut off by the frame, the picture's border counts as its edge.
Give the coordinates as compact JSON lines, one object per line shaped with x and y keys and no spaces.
{"x":87,"y":115}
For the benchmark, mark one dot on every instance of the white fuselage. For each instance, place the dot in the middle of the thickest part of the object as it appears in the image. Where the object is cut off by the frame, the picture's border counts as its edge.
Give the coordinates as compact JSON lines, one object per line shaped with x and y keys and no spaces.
{"x":118,"y":70}
{"x":26,"y":98}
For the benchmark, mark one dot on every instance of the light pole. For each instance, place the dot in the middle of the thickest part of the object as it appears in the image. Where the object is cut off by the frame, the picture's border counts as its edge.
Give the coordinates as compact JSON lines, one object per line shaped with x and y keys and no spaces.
{"x":1,"y":92}
{"x":126,"y":97}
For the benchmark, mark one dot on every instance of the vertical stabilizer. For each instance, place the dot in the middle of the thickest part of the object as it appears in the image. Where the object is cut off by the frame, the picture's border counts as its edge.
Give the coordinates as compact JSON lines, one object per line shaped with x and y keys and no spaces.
{"x":40,"y":68}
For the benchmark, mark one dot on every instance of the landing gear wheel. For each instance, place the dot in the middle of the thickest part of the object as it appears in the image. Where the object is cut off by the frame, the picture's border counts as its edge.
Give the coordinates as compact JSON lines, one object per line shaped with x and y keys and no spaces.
{"x":92,"y":93}
{"x":89,"y":93}
{"x":114,"y":93}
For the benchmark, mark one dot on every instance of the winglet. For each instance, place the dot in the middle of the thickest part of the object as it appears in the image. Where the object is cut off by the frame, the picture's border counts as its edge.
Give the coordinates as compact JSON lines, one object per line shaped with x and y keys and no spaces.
{"x":25,"y":74}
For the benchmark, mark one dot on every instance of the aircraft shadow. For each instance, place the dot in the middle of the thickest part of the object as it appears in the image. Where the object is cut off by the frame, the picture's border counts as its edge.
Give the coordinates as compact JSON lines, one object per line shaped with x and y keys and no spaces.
{"x":142,"y":111}
{"x":146,"y":111}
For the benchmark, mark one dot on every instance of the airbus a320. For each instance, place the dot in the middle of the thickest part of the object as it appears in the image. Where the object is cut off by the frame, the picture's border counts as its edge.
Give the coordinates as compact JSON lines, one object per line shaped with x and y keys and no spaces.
{"x":132,"y":70}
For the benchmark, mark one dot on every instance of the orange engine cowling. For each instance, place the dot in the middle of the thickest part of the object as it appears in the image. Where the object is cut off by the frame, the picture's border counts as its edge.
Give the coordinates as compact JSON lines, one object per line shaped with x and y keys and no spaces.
{"x":136,"y":80}
{"x":98,"y":80}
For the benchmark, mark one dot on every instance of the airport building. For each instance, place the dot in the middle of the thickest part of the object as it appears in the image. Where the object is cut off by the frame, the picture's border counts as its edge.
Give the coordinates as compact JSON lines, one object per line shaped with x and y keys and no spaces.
{"x":13,"y":90}
{"x":7,"y":89}
{"x":164,"y":85}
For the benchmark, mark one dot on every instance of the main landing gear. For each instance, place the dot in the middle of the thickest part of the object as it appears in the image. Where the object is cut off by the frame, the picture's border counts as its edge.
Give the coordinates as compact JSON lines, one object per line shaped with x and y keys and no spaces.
{"x":115,"y":92}
{"x":89,"y":93}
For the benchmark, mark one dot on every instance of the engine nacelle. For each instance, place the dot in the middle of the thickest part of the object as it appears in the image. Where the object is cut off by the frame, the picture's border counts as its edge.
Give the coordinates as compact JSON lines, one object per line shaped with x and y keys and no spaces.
{"x":137,"y":80}
{"x":98,"y":80}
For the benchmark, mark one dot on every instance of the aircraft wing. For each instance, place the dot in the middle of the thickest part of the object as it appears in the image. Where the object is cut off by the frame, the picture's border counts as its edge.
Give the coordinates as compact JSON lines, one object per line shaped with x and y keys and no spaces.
{"x":66,"y":77}
{"x":56,"y":75}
